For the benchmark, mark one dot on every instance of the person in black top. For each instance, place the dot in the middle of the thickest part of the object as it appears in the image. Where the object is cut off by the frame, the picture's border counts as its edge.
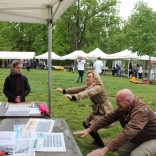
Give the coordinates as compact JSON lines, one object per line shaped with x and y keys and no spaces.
{"x":16,"y":85}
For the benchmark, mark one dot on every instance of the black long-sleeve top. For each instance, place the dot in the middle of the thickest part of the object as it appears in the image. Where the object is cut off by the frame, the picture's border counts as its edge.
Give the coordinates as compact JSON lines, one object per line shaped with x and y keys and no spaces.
{"x":16,"y":85}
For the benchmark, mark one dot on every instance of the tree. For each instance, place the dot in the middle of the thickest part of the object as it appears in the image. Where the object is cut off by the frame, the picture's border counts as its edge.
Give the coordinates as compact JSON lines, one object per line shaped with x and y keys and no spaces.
{"x":98,"y":26}
{"x":23,"y":37}
{"x":140,"y":30}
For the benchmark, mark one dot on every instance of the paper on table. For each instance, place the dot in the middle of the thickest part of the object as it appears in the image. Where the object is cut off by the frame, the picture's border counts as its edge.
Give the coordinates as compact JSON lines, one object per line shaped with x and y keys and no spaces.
{"x":17,"y":111}
{"x":7,"y":140}
{"x":39,"y":125}
{"x":54,"y":142}
{"x":25,"y":148}
{"x":34,"y":111}
{"x":20,"y":135}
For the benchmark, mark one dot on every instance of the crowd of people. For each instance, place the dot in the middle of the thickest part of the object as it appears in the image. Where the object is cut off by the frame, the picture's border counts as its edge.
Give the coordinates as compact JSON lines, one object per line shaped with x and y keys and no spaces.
{"x":135,"y":70}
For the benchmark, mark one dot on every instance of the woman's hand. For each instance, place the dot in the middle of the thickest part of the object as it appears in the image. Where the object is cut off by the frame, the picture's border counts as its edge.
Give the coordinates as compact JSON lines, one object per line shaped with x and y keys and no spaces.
{"x":68,"y":96}
{"x":59,"y":90}
{"x":83,"y":133}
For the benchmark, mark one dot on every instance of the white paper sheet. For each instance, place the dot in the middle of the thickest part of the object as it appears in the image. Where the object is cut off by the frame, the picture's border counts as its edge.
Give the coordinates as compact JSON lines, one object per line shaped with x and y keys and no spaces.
{"x":34,"y":111}
{"x":20,"y":135}
{"x":7,"y":140}
{"x":39,"y":125}
{"x":54,"y":142}
{"x":19,"y":108}
{"x":17,"y":111}
{"x":25,"y":148}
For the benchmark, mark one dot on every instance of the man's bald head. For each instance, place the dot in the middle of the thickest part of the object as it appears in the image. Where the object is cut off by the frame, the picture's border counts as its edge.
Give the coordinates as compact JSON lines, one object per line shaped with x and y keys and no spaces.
{"x":125,"y":94}
{"x":124,"y":98}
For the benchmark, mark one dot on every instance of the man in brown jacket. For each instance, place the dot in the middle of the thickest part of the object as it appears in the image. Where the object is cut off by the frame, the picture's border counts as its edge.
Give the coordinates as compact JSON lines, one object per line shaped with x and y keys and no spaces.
{"x":97,"y":94}
{"x":138,"y":137}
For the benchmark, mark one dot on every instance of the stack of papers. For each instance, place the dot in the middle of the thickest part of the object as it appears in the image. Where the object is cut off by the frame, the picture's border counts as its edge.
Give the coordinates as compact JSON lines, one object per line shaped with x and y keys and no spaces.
{"x":28,"y":138}
{"x":17,"y":111}
{"x":36,"y":135}
{"x":21,"y":109}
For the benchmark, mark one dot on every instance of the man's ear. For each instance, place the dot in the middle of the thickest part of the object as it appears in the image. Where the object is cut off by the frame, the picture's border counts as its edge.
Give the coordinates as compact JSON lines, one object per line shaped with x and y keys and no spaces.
{"x":129,"y":100}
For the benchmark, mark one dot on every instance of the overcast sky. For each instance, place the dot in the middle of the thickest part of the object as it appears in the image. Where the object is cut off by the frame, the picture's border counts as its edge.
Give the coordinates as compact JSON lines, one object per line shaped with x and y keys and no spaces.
{"x":127,"y":6}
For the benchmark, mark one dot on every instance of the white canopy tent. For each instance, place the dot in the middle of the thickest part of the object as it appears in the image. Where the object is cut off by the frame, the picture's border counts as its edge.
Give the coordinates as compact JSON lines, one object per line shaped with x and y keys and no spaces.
{"x":119,"y":55}
{"x":45,"y":56}
{"x":74,"y":55}
{"x":96,"y":53}
{"x":16,"y":55}
{"x":37,"y":11}
{"x":137,"y":57}
{"x":127,"y":55}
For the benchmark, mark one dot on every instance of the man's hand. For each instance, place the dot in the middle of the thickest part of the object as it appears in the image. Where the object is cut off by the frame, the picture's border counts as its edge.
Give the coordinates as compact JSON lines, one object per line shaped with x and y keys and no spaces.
{"x":99,"y":152}
{"x":83,"y":133}
{"x":59,"y":90}
{"x":68,"y":96}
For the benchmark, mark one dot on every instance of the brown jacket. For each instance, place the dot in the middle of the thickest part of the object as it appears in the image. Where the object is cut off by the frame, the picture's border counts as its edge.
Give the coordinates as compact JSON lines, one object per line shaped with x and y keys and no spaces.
{"x":139,"y":124}
{"x":97,"y":94}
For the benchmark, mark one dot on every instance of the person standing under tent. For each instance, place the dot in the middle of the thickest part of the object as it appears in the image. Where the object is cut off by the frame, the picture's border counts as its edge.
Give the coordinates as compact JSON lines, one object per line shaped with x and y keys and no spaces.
{"x":81,"y":61}
{"x":119,"y":70}
{"x":130,"y":70}
{"x":98,"y":66}
{"x":28,"y":65}
{"x":16,"y":85}
{"x":140,"y":71}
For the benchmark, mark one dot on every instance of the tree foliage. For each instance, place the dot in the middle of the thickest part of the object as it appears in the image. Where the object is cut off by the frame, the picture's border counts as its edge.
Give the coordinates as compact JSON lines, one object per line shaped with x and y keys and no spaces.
{"x":140,"y":30}
{"x":23,"y":37}
{"x":92,"y":24}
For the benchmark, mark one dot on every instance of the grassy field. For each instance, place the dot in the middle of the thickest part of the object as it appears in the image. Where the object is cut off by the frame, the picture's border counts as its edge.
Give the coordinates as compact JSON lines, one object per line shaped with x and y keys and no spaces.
{"x":75,"y":112}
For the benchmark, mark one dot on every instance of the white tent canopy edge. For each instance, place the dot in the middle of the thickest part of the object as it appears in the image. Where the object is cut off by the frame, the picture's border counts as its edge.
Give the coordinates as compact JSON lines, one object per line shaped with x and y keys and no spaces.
{"x":16,"y":55}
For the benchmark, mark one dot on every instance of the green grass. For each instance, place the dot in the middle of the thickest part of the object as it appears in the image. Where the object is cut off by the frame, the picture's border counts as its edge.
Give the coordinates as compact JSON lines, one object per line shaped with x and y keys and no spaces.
{"x":75,"y":112}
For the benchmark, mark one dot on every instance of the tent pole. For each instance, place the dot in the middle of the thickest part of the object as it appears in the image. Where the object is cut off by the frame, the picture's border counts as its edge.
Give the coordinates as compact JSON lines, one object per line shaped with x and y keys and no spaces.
{"x":49,"y":66}
{"x":128,"y":68}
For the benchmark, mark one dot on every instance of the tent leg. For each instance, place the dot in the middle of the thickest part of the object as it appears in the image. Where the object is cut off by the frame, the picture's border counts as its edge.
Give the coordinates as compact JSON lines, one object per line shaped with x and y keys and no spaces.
{"x":49,"y":67}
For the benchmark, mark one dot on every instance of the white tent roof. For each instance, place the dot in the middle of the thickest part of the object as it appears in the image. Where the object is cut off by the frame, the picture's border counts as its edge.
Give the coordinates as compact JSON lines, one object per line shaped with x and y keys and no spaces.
{"x":16,"y":55}
{"x":136,"y":56}
{"x":74,"y":55}
{"x":45,"y":56}
{"x":33,"y":11}
{"x":119,"y":55}
{"x":127,"y":54}
{"x":96,"y":53}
